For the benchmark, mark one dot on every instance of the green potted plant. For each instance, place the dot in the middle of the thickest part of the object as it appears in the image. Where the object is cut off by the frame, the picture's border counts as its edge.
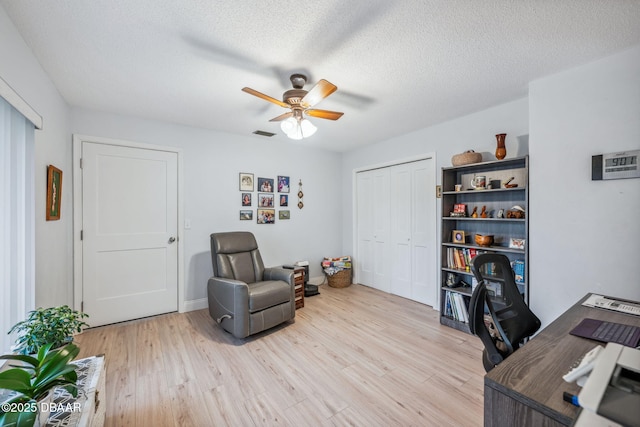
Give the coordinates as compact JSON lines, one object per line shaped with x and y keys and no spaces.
{"x":54,"y":325}
{"x":34,"y":380}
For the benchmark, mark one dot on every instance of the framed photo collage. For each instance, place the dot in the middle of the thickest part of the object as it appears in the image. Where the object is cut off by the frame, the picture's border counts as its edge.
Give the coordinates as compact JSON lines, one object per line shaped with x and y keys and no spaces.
{"x":266,"y":195}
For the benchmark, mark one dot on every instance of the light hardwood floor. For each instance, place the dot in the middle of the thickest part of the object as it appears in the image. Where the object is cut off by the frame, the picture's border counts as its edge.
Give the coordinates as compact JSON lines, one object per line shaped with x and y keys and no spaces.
{"x":354,"y":356}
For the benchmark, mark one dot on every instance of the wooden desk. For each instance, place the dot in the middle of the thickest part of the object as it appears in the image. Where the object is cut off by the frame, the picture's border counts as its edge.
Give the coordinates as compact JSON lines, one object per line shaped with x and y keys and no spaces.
{"x":526,"y":388}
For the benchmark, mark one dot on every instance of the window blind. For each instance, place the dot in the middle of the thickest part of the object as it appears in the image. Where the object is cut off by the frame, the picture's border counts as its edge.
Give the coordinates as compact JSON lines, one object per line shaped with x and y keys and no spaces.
{"x":17,"y":220}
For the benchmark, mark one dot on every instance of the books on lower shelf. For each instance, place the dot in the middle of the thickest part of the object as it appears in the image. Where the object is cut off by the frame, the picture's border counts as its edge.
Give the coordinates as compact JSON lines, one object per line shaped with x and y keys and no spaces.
{"x":462,"y":259}
{"x":518,"y":270}
{"x":456,"y":307}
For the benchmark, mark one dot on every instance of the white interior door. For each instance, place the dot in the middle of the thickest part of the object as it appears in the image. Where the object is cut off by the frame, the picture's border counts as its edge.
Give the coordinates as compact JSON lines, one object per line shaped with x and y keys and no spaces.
{"x":401,"y":245}
{"x":424,"y":283}
{"x":373,"y":228}
{"x":380,"y":207}
{"x":364,"y":215}
{"x":129,"y":223}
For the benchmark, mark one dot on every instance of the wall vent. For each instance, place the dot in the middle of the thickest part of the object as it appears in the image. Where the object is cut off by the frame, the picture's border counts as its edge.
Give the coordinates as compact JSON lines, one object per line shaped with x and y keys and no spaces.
{"x":263,"y":133}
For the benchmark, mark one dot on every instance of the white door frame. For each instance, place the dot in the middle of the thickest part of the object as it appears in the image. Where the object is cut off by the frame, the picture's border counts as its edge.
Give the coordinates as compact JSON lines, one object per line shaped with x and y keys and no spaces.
{"x":77,"y":211}
{"x":354,"y":210}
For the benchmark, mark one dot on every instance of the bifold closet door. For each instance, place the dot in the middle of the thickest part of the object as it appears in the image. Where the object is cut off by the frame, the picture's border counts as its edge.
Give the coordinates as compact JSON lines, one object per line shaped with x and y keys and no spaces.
{"x":424,"y":283}
{"x":373,"y":209}
{"x":412,"y":233}
{"x":401,"y":245}
{"x":396,"y":230}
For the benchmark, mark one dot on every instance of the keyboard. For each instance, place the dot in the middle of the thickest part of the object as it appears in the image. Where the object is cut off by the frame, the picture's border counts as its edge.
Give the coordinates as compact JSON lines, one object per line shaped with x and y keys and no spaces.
{"x":603,"y":331}
{"x":614,"y":332}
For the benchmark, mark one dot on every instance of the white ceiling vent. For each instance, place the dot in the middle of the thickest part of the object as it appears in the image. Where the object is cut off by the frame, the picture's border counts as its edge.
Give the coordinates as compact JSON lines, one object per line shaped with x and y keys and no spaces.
{"x":263,"y":133}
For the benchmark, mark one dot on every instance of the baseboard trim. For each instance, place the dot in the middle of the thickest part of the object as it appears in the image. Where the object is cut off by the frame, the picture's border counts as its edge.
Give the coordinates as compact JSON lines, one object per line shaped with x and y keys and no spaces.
{"x":196,"y":304}
{"x":318,"y":280}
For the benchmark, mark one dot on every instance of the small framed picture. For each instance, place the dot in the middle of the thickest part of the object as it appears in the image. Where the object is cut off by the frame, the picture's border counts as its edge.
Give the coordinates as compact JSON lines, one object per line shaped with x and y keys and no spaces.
{"x":246,"y":199}
{"x":459,"y":208}
{"x":266,"y":216}
{"x":265,"y":200}
{"x":284,"y":214}
{"x":246,"y":181}
{"x":284,"y":200}
{"x":54,"y":192}
{"x":265,"y":185}
{"x":283,"y":184}
{"x":246,"y":215}
{"x":516,"y":243}
{"x":457,"y":236}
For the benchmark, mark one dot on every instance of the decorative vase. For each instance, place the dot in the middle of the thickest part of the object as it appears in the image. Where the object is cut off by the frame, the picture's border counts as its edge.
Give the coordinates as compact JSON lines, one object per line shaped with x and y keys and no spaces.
{"x":501,"y":151}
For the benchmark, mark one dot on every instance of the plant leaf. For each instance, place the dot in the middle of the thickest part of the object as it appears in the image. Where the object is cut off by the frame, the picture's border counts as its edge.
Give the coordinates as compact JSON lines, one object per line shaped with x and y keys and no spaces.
{"x":15,"y":379}
{"x":43,"y":351}
{"x":68,"y":352}
{"x":45,"y":380}
{"x":20,"y":419}
{"x":72,"y":389}
{"x":21,"y":357}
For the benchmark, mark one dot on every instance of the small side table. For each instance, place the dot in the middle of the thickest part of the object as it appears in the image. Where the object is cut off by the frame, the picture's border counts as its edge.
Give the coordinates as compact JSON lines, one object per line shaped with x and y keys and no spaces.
{"x":298,"y":279}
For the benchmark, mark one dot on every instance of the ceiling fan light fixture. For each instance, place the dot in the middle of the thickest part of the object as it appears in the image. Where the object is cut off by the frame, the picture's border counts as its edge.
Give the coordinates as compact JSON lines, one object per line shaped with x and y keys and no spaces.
{"x":298,"y":128}
{"x":307,"y":128}
{"x":289,"y":125}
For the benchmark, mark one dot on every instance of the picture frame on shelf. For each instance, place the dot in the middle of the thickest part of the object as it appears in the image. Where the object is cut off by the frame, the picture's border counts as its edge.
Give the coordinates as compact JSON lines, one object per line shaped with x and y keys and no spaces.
{"x":457,"y":236}
{"x":283,"y":184}
{"x":246,"y":215}
{"x":265,"y":200}
{"x":54,"y":192}
{"x":284,"y":215}
{"x":459,"y":210}
{"x":266,"y":216}
{"x":515,"y":243}
{"x":245,"y":181}
{"x":265,"y":185}
{"x":246,"y":199}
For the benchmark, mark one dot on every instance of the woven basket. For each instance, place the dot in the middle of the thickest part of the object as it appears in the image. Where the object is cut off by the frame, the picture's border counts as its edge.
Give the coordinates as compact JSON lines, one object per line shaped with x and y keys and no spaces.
{"x":466,"y":158}
{"x":341,"y":279}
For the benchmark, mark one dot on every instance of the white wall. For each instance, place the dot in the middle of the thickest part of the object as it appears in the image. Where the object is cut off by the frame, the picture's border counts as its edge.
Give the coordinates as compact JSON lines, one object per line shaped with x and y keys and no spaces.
{"x":585,"y":235}
{"x":23,"y":73}
{"x":212,"y":162}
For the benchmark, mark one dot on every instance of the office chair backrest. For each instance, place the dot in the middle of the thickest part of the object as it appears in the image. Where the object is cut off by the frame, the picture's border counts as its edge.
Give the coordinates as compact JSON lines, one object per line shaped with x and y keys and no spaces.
{"x":512,"y":318}
{"x":235,"y":255}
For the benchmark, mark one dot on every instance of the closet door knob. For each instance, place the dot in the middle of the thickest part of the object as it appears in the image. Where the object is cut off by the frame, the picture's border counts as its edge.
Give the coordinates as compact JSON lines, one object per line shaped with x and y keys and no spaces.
{"x":172,"y":239}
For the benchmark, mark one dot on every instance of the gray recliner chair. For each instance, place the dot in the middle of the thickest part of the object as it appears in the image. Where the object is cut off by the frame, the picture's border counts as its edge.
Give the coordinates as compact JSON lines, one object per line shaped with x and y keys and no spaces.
{"x":245,"y":297}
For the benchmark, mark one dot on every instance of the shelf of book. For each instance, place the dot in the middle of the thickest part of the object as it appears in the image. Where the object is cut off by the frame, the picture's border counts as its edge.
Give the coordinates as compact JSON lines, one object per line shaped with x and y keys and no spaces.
{"x":495,"y":214}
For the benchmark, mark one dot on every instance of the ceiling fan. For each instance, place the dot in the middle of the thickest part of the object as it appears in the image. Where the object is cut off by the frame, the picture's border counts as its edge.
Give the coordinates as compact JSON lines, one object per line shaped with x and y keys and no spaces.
{"x":300,"y":101}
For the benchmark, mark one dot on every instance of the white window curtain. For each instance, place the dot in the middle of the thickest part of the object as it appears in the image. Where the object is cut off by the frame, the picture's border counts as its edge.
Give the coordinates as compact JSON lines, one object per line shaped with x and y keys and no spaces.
{"x":17,"y":220}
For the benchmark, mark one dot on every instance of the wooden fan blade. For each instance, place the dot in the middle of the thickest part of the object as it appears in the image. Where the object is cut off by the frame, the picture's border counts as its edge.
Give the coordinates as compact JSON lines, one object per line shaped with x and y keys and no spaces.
{"x":317,"y":93}
{"x":282,"y":117}
{"x":265,"y":97}
{"x":324,"y":114}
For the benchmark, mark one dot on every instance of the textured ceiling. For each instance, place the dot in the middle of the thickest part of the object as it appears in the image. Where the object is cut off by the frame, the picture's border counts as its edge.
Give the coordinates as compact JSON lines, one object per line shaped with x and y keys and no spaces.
{"x":399,"y":65}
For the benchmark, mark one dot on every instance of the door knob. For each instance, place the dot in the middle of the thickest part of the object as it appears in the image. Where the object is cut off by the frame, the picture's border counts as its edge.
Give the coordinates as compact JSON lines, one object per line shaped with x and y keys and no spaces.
{"x":172,"y":239}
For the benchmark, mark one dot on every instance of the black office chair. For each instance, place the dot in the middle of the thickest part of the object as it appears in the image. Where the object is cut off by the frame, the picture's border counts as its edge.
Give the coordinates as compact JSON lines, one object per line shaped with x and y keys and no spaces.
{"x":512,"y":323}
